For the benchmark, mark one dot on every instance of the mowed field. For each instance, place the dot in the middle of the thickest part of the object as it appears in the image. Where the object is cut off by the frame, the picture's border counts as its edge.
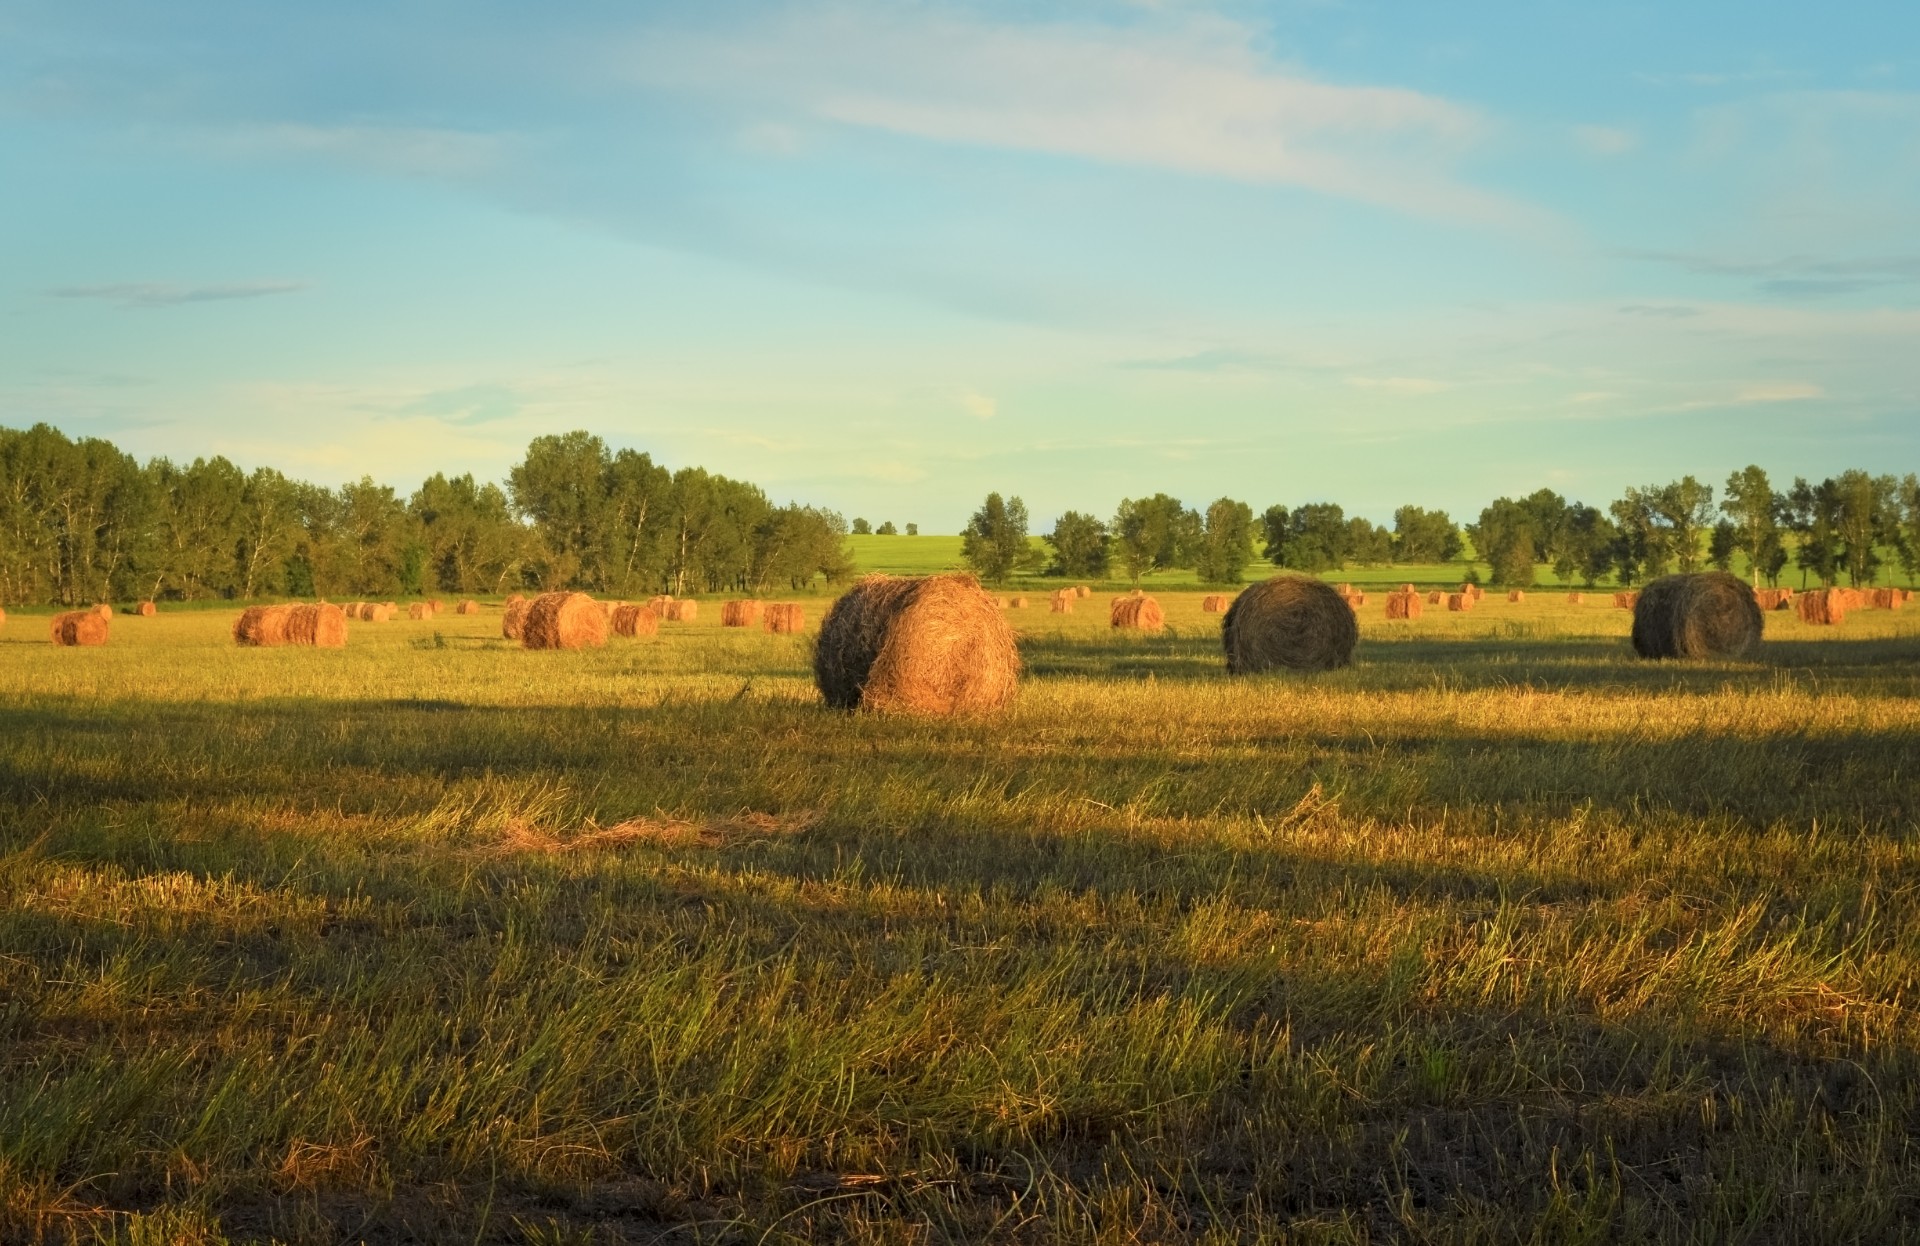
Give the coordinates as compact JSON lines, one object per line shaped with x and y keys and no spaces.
{"x":1498,"y":936}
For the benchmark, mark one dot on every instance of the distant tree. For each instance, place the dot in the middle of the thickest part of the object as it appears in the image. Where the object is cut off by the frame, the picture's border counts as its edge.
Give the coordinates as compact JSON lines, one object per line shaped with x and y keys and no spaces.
{"x":1505,"y":538}
{"x":995,"y":542}
{"x":1588,"y":550}
{"x":1226,"y":542}
{"x":1753,"y":508}
{"x":1722,"y":544}
{"x":796,"y":544}
{"x":1081,"y":547}
{"x":1640,"y":546}
{"x":1868,"y":519}
{"x":886,"y":528}
{"x":1424,"y":536}
{"x":1812,"y":513}
{"x":1276,"y":523}
{"x":1907,"y":542}
{"x":1154,"y":534}
{"x":1367,"y":543}
{"x":913,"y":529}
{"x":1312,"y":537}
{"x":196,"y":530}
{"x":862,"y":528}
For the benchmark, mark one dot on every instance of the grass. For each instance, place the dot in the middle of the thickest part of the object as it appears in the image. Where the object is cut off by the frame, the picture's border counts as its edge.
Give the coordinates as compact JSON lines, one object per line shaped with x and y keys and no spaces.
{"x":1498,"y":936}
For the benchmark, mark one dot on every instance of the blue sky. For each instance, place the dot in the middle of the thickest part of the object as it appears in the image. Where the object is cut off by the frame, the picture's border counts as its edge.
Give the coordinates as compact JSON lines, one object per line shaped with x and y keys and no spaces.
{"x":889,"y":256}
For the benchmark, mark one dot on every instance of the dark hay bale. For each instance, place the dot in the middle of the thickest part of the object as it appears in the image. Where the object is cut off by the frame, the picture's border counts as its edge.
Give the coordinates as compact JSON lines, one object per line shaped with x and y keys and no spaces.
{"x":1062,"y":601}
{"x":1887,"y":599}
{"x":634,"y":619}
{"x":261,"y":627}
{"x":1291,"y":622}
{"x":740,"y":613}
{"x":469,"y":606}
{"x":1707,"y":614}
{"x":80,"y":627}
{"x":515,"y":618}
{"x":321,"y":626}
{"x":563,"y":621}
{"x":925,"y":645}
{"x":1404,"y":605}
{"x":1215,"y":603}
{"x":784,"y":618}
{"x":1823,"y":606}
{"x":682,"y":611}
{"x":1017,"y":603}
{"x":1136,"y":612}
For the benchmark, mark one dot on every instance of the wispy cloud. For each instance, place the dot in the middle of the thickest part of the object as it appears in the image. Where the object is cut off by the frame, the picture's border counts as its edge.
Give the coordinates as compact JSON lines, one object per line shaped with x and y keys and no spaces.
{"x":167,"y":294}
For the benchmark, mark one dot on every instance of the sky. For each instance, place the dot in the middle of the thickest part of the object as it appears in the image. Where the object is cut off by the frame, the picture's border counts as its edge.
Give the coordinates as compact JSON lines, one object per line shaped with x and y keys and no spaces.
{"x":886,"y":257}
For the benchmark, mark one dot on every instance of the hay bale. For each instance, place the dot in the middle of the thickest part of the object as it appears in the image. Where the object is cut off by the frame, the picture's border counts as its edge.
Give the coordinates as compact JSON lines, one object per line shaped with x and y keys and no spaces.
{"x":682,"y":611}
{"x":105,"y":611}
{"x":1357,"y":600}
{"x":512,"y":598}
{"x":1215,"y":603}
{"x":321,"y":626}
{"x":1822,"y":606}
{"x":1346,"y":590}
{"x":633,"y":619}
{"x":515,"y":618}
{"x":1887,"y":599}
{"x":1062,"y":601}
{"x":1625,"y":601}
{"x":1136,"y":612}
{"x":80,"y":627}
{"x":1516,"y":597}
{"x":740,"y":613}
{"x":469,"y":606}
{"x":1436,"y":598}
{"x":1706,"y":614}
{"x":261,"y":627}
{"x":1458,"y":602}
{"x":1404,"y":605}
{"x":434,"y":606}
{"x":1575,"y":599}
{"x":1081,"y":590}
{"x":1291,"y":622}
{"x":1016,"y":603}
{"x":784,"y":618}
{"x":419,"y":610}
{"x":659,"y":603}
{"x":147,"y":610}
{"x":927,"y":645}
{"x":3,"y":618}
{"x":563,"y":621}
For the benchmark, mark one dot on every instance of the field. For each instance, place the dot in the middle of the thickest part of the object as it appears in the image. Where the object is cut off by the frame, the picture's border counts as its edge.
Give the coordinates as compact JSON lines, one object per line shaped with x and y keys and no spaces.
{"x":1498,"y":936}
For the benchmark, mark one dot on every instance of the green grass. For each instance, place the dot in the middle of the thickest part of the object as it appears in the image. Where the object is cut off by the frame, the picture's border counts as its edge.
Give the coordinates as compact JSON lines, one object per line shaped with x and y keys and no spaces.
{"x":1498,"y":936}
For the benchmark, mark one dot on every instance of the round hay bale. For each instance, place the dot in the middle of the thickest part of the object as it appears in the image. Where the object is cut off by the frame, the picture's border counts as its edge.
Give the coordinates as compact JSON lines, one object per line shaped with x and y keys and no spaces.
{"x":740,"y":613}
{"x":1404,"y":605}
{"x":1459,"y":602}
{"x":3,"y":618}
{"x":1081,"y":590}
{"x":1291,"y":622}
{"x":1516,"y":597}
{"x":1821,"y":606}
{"x":80,"y":627}
{"x":633,"y":619}
{"x":105,"y":611}
{"x":469,"y":606}
{"x":148,"y":610}
{"x":659,"y":604}
{"x":1136,"y":612}
{"x":320,"y":626}
{"x":1062,"y":601}
{"x":1706,"y":614}
{"x":563,"y":621}
{"x":512,"y":598}
{"x":515,"y":617}
{"x":1356,"y":600}
{"x":1017,"y":603}
{"x":261,"y":627}
{"x":434,"y":606}
{"x":419,"y":610}
{"x":1436,"y":598}
{"x":1575,"y":599}
{"x":784,"y":617}
{"x":1346,"y":590}
{"x":1215,"y":603}
{"x":1625,"y":601}
{"x":1407,"y":588}
{"x":926,"y":645}
{"x":682,"y":611}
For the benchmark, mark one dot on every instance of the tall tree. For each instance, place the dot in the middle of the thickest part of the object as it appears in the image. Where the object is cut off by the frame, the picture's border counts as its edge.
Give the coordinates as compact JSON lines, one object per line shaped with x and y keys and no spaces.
{"x":1685,"y":507}
{"x":995,"y":541}
{"x":1080,"y":546}
{"x":1424,"y":536}
{"x":1154,"y":534}
{"x":1226,"y":542}
{"x":1753,"y":508}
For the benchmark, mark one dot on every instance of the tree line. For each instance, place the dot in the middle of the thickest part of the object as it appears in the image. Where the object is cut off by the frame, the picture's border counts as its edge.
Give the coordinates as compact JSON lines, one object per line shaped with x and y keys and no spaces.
{"x":80,"y":521}
{"x":1845,"y":527}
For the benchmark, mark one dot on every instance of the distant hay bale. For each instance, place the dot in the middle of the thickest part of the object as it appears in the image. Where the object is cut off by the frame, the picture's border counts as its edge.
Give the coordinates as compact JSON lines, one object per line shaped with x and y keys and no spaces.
{"x":1436,"y":598}
{"x":682,"y":611}
{"x":1404,"y":605}
{"x":1016,"y":603}
{"x":1575,"y":599}
{"x":148,"y":610}
{"x":80,"y":627}
{"x":514,"y":621}
{"x":105,"y":611}
{"x":925,"y":645}
{"x":1823,"y":606}
{"x":469,"y":606}
{"x":1000,"y":603}
{"x":1346,"y":590}
{"x":434,"y":606}
{"x":1457,"y":602}
{"x":1136,"y":612}
{"x":1775,"y":598}
{"x":512,"y":598}
{"x":1215,"y":603}
{"x":261,"y":627}
{"x":1887,"y":599}
{"x":659,"y":603}
{"x":1356,"y":600}
{"x":321,"y":626}
{"x":634,"y":619}
{"x":784,"y":618}
{"x":419,"y":610}
{"x":1625,"y":601}
{"x":1706,"y":614}
{"x":1516,"y":597}
{"x":3,"y":618}
{"x":563,"y":621}
{"x":376,"y":612}
{"x":1291,"y":622}
{"x":740,"y":613}
{"x":1062,"y":601}
{"x":1081,"y":590}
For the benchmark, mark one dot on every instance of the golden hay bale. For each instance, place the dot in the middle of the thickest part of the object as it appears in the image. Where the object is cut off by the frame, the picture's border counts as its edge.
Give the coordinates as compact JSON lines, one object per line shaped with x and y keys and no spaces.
{"x":261,"y":627}
{"x":1822,"y":605}
{"x":1575,"y":599}
{"x":659,"y":603}
{"x":419,"y":610}
{"x":1515,"y":597}
{"x":927,"y":645}
{"x":1457,"y":602}
{"x":1887,"y":599}
{"x":1356,"y":600}
{"x":1062,"y":601}
{"x":147,"y":610}
{"x":378,"y":613}
{"x":434,"y":606}
{"x":1407,"y":588}
{"x":1291,"y":622}
{"x":1017,"y":603}
{"x":682,"y":611}
{"x":515,"y":618}
{"x":469,"y":606}
{"x":1215,"y":603}
{"x":740,"y":613}
{"x":79,"y":627}
{"x":1136,"y":612}
{"x":784,"y":617}
{"x":512,"y":598}
{"x":105,"y":611}
{"x":3,"y":618}
{"x":563,"y":621}
{"x":321,"y":626}
{"x":1706,"y":614}
{"x":633,"y":619}
{"x":1404,"y":605}
{"x":1436,"y":598}
{"x":1081,"y":590}
{"x":1625,"y":601}
{"x":1346,"y":590}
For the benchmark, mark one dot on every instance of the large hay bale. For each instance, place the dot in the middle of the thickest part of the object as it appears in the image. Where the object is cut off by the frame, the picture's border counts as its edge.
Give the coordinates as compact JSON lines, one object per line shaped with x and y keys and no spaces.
{"x":740,"y":613}
{"x":1405,"y":605}
{"x":147,"y":610}
{"x":682,"y":611}
{"x":927,"y":645}
{"x":1705,"y":614}
{"x":80,"y":627}
{"x":321,"y":626}
{"x":469,"y":606}
{"x":515,"y":618}
{"x":1887,"y":599}
{"x":1291,"y":622}
{"x":1822,"y":606}
{"x":1458,"y":602}
{"x":1136,"y":612}
{"x":784,"y":618}
{"x":659,"y":603}
{"x":419,"y":610}
{"x":633,"y":619}
{"x":1516,"y":597}
{"x":563,"y":621}
{"x":376,"y":612}
{"x":261,"y":627}
{"x":1215,"y":603}
{"x":1062,"y":601}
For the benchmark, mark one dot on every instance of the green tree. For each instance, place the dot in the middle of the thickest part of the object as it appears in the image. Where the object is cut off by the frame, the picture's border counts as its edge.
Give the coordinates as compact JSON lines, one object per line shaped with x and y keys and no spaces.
{"x":886,"y":528}
{"x":1868,"y":519}
{"x":1081,"y":547}
{"x":1154,"y":534}
{"x":560,"y":488}
{"x":1907,"y":540}
{"x":1312,"y":537}
{"x":913,"y":529}
{"x":995,"y":541}
{"x":1753,"y":508}
{"x":1505,"y":538}
{"x":862,"y":528}
{"x":1722,"y":544}
{"x":1812,"y":513}
{"x":1685,"y":508}
{"x":1226,"y":542}
{"x":471,"y":540}
{"x":1424,"y":536}
{"x":197,"y":529}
